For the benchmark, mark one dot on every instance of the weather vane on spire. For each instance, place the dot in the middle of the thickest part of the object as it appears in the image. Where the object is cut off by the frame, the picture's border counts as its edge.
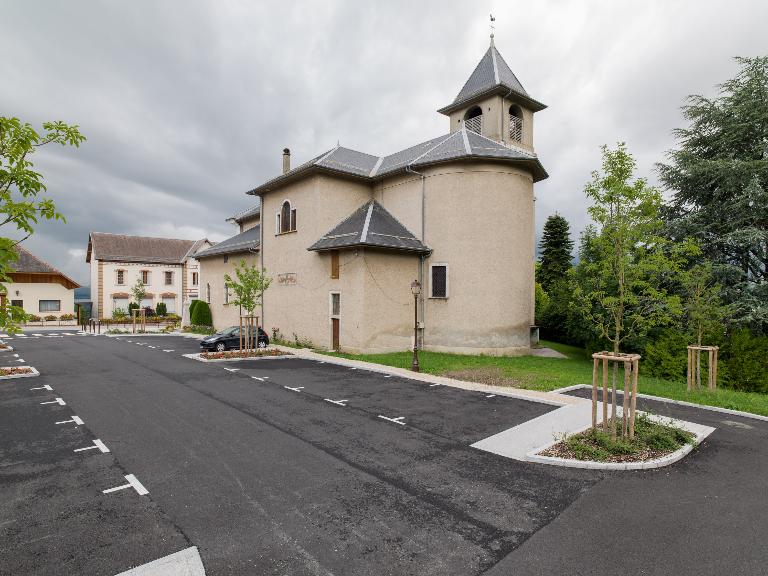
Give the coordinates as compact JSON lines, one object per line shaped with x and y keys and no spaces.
{"x":492,"y":28}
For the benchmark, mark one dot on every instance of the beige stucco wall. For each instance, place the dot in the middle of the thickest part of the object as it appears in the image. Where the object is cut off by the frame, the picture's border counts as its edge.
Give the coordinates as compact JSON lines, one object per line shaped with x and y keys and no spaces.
{"x":212,"y":270}
{"x":32,"y":293}
{"x":479,"y":221}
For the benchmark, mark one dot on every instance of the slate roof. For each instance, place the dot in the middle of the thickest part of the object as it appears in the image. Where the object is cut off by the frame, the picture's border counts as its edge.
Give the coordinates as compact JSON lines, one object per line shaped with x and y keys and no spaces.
{"x":370,"y":226}
{"x":462,"y":144}
{"x":243,"y":242}
{"x":123,"y":248}
{"x":491,"y":74}
{"x":247,"y":213}
{"x":28,"y":263}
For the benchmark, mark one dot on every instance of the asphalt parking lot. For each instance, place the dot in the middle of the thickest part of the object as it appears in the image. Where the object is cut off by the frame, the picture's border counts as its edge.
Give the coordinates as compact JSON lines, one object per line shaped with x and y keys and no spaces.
{"x":277,"y":466}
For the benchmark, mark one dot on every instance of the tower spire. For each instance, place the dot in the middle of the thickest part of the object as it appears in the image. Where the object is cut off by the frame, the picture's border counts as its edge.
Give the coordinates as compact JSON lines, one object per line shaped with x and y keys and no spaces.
{"x":492,"y":28}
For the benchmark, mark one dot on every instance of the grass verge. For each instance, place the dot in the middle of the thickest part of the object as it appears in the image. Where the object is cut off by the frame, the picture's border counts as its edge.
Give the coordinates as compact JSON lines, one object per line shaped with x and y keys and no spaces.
{"x":539,"y":373}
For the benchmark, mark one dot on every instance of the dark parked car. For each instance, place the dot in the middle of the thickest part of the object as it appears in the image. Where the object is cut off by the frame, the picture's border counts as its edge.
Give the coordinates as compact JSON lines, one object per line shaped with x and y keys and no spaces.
{"x":229,"y":339}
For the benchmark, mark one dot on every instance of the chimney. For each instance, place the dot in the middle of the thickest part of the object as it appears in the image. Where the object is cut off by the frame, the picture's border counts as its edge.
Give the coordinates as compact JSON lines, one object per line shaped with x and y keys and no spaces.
{"x":286,"y":160}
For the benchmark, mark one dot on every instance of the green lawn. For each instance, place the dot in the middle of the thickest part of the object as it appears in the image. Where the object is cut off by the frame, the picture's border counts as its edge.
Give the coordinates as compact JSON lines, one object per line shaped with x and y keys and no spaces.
{"x":535,"y":373}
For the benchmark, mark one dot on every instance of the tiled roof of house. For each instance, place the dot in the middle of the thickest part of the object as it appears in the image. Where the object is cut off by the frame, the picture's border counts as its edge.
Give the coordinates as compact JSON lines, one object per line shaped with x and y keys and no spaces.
{"x":462,"y":144}
{"x":370,"y":226}
{"x":123,"y":248}
{"x":243,"y":242}
{"x":491,"y":73}
{"x":247,"y":213}
{"x":28,"y":263}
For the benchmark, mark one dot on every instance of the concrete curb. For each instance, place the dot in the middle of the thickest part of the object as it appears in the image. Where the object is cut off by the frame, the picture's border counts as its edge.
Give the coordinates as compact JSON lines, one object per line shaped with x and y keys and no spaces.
{"x":8,"y":349}
{"x":679,"y":403}
{"x":700,"y":431}
{"x":530,"y":395}
{"x":29,"y":375}
{"x":142,"y":334}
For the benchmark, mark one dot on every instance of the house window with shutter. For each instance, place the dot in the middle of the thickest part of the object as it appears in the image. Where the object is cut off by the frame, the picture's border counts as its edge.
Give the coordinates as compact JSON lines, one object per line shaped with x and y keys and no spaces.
{"x":168,"y":278}
{"x":334,"y":264}
{"x":438,"y":280}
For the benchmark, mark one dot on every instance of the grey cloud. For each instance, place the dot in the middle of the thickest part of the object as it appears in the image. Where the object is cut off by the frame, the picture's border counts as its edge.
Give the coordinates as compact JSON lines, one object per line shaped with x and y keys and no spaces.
{"x":188,"y":104}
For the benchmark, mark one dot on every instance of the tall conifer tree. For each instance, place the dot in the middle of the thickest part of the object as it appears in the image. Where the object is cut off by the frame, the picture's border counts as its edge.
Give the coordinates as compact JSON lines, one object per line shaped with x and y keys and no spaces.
{"x":555,"y":248}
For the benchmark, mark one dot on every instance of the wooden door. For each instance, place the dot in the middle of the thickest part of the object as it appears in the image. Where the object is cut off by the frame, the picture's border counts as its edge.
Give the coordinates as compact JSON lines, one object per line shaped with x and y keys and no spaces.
{"x":335,"y":331}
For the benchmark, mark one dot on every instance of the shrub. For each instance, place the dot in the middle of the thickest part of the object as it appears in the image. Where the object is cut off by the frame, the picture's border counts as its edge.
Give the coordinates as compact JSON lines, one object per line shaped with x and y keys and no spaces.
{"x":67,"y":317}
{"x":199,"y":329}
{"x":83,"y":315}
{"x":161,"y":309}
{"x":132,"y":306}
{"x":120,"y":313}
{"x":192,"y":306}
{"x":201,"y":315}
{"x":667,"y":356}
{"x":746,"y":356}
{"x":51,"y":318}
{"x":34,"y":318}
{"x":173,"y":317}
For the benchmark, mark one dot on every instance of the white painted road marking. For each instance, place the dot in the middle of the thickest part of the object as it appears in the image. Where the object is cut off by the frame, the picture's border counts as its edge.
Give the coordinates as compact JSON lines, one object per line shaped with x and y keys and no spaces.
{"x":36,"y":334}
{"x":151,"y":346}
{"x":97,"y":444}
{"x":76,"y":419}
{"x":353,"y":368}
{"x":59,"y":401}
{"x":43,"y":387}
{"x":169,"y":350}
{"x":231,"y":369}
{"x":297,"y":389}
{"x":257,"y":378}
{"x":186,"y":563}
{"x":433,"y":385}
{"x":387,"y":375}
{"x":21,"y":360}
{"x":132,"y":483}
{"x":15,"y":355}
{"x":395,"y":420}
{"x":339,"y":402}
{"x":491,"y":396}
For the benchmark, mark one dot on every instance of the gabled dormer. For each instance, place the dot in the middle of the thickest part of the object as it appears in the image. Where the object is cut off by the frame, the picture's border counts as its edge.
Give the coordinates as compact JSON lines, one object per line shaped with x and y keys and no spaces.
{"x":494,"y":103}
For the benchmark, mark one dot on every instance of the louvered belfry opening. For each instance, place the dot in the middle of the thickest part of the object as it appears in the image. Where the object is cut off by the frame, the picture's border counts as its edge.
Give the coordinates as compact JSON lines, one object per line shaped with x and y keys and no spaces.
{"x":515,"y":123}
{"x":473,"y":119}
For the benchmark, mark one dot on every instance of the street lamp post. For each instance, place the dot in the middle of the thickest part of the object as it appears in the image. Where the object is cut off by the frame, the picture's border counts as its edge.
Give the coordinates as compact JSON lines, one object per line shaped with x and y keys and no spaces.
{"x":416,"y":289}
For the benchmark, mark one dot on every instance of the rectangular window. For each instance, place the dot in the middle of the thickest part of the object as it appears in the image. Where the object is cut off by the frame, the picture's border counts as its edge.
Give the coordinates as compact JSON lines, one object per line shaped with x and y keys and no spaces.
{"x":335,"y":304}
{"x":195,"y":279}
{"x":120,"y":304}
{"x":50,"y":305}
{"x":439,"y":280}
{"x":120,"y":277}
{"x":226,"y":293}
{"x":168,"y":278}
{"x":334,"y":264}
{"x":17,"y":303}
{"x":170,"y":304}
{"x":208,"y":293}
{"x":145,"y":277}
{"x":277,"y":224}
{"x":293,"y":220}
{"x":147,"y":302}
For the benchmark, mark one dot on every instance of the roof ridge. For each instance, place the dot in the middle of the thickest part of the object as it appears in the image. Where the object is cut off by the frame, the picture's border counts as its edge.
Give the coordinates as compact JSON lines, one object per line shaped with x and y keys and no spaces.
{"x":147,"y":237}
{"x":495,"y":65}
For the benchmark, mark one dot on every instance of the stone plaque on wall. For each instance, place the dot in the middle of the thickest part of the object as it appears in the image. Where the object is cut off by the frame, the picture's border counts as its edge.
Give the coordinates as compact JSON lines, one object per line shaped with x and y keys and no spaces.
{"x":287,"y":279}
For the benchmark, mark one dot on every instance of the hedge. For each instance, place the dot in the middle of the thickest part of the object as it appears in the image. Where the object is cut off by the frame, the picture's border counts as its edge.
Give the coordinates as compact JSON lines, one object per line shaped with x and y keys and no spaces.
{"x":200,"y":315}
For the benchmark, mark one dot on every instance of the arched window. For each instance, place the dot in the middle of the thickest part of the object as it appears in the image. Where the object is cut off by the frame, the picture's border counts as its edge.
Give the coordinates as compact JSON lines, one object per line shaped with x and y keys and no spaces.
{"x":286,"y":218}
{"x":515,"y":123}
{"x":473,"y":119}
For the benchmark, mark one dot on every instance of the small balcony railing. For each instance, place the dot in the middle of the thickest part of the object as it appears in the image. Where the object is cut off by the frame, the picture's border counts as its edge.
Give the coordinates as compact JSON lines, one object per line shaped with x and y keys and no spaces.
{"x":474,"y":124}
{"x":515,"y":128}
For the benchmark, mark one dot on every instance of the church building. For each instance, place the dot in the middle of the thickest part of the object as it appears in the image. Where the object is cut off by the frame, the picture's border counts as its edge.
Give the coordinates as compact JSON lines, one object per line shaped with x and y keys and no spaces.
{"x":345,"y":234}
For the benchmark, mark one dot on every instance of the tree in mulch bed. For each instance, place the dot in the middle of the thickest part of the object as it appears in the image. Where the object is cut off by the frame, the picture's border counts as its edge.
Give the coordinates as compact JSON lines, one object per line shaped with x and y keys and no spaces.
{"x":242,"y":354}
{"x":652,"y":440}
{"x":15,"y":370}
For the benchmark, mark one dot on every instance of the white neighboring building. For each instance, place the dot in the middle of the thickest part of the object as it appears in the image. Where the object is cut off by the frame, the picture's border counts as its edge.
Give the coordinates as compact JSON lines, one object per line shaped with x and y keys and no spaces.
{"x":167,"y":267}
{"x":38,"y":287}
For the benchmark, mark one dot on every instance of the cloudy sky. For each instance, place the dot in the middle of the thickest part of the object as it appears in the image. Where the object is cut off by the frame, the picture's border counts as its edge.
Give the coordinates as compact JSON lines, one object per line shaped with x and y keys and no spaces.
{"x":187,"y":104}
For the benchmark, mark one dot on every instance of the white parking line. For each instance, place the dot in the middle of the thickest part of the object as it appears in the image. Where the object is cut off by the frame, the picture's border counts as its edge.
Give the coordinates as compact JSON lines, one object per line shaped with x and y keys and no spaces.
{"x":169,"y":350}
{"x":75,"y":419}
{"x":338,"y":402}
{"x":151,"y":346}
{"x":15,"y":355}
{"x":21,"y":360}
{"x":257,"y":378}
{"x":36,"y":334}
{"x":97,"y":444}
{"x":59,"y":401}
{"x":433,"y":385}
{"x":387,"y":375}
{"x":353,"y":368}
{"x":395,"y":420}
{"x":231,"y":369}
{"x":297,"y":389}
{"x":132,"y":483}
{"x":43,"y":387}
{"x":491,"y":396}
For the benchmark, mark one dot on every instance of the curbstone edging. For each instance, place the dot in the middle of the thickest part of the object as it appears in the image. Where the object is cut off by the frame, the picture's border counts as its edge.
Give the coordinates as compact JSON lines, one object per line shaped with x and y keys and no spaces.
{"x":196,"y":356}
{"x":31,"y":374}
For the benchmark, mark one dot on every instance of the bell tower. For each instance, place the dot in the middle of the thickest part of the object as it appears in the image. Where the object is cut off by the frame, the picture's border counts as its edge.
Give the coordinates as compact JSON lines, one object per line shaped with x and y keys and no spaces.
{"x":494,"y":103}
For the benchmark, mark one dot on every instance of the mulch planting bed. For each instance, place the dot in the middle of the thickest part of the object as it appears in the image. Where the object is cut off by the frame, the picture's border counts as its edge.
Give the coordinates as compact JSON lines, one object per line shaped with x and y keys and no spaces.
{"x":237,"y":354}
{"x":15,"y":371}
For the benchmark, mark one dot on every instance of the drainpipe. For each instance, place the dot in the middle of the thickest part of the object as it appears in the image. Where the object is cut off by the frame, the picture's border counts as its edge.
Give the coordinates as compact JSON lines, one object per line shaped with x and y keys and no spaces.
{"x":422,"y":302}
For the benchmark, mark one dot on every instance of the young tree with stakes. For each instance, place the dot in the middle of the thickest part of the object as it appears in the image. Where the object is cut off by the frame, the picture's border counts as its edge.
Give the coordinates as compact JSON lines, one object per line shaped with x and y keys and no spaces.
{"x":249,"y":286}
{"x":21,"y":188}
